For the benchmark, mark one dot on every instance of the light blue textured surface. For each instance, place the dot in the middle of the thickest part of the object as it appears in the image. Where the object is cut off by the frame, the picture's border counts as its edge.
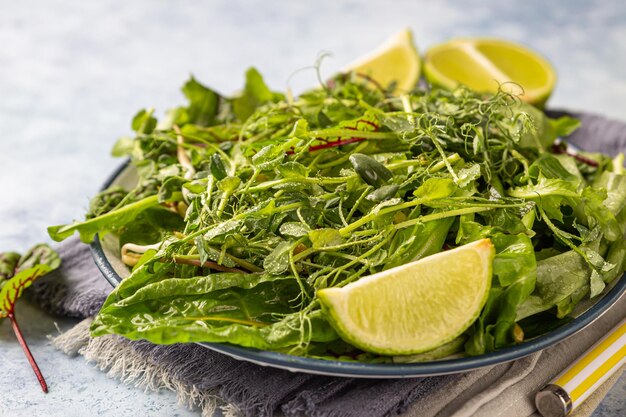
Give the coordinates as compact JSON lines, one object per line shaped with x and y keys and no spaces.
{"x":72,"y":74}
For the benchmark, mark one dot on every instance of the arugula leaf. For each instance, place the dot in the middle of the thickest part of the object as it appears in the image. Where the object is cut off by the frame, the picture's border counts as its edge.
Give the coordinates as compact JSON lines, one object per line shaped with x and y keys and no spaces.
{"x":596,"y":213}
{"x":545,"y":187}
{"x":548,"y":193}
{"x":550,"y":166}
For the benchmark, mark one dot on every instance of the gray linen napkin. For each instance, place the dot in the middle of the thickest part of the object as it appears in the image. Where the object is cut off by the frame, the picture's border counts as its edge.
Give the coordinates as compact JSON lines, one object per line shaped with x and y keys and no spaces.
{"x":207,"y":380}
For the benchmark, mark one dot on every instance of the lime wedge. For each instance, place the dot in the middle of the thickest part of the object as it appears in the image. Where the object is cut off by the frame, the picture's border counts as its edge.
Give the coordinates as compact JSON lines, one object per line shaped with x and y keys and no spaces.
{"x":414,"y":307}
{"x":395,"y":60}
{"x":486,"y":64}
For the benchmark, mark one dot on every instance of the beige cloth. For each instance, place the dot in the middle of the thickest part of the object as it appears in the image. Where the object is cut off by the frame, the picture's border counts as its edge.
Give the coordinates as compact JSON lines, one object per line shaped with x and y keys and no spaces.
{"x":505,"y":390}
{"x":508,"y":390}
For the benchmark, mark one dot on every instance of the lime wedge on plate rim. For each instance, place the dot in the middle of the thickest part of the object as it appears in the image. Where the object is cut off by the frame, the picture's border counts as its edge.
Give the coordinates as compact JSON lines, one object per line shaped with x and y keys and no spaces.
{"x":414,"y":307}
{"x":485,"y":64}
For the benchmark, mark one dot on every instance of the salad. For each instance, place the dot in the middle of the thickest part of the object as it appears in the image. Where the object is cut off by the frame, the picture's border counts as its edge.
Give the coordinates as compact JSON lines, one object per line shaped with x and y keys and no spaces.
{"x":245,"y":207}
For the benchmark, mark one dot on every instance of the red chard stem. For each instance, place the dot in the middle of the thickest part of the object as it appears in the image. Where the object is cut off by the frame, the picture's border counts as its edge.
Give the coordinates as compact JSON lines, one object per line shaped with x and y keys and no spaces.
{"x":29,"y":355}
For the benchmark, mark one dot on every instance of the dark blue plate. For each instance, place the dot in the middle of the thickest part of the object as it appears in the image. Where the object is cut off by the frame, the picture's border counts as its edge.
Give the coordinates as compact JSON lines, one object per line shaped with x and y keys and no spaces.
{"x":374,"y":370}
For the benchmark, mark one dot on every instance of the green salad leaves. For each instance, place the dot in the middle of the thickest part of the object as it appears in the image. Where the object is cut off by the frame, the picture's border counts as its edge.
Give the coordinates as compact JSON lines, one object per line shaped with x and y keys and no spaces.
{"x":246,"y":206}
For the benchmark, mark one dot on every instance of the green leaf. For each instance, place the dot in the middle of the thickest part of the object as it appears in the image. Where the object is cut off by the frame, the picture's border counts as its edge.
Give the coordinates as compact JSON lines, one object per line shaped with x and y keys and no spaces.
{"x":549,"y":194}
{"x":383,"y":193}
{"x":322,"y":238}
{"x":223,"y":229}
{"x":103,"y":224}
{"x":435,"y":189}
{"x":597,"y":213}
{"x":558,"y":277}
{"x":229,"y":185}
{"x":171,"y":189}
{"x":564,"y":125}
{"x":468,"y":174}
{"x":413,"y":243}
{"x":105,"y":201}
{"x":40,"y":254}
{"x":515,"y":269}
{"x":268,"y":158}
{"x":150,"y":226}
{"x":596,"y":284}
{"x":294,"y":229}
{"x":255,"y":94}
{"x":549,"y":166}
{"x":244,"y":309}
{"x":545,"y":187}
{"x":616,"y":256}
{"x":293,"y":169}
{"x":143,"y":123}
{"x":123,"y":147}
{"x":541,"y":136}
{"x":218,"y":170}
{"x":203,"y":103}
{"x":615,"y":186}
{"x":277,"y":261}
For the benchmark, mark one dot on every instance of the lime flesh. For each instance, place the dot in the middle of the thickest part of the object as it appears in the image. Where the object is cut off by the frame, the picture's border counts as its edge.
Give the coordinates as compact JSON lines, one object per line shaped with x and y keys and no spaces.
{"x":396,"y":61}
{"x":414,"y":307}
{"x":488,"y":64}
